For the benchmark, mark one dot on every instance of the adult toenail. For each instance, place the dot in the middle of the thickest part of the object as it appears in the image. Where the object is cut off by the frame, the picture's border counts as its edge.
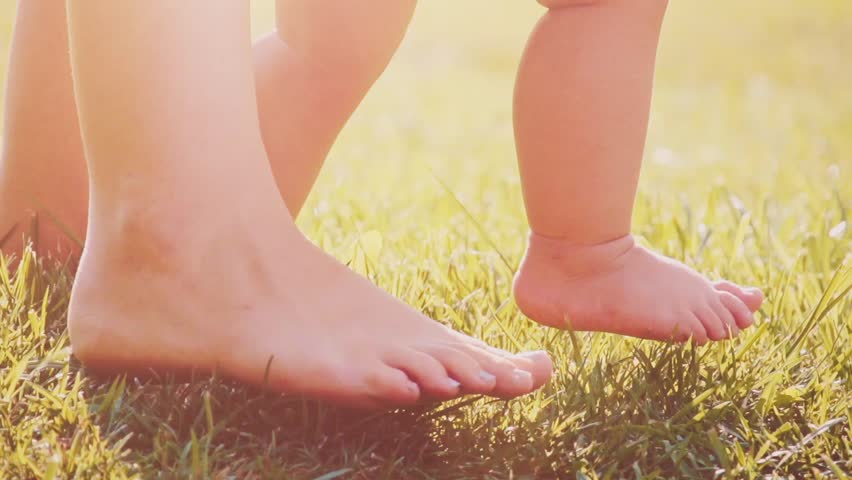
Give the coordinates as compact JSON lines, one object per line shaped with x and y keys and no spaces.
{"x":521,"y":377}
{"x":487,"y":377}
{"x":538,"y":354}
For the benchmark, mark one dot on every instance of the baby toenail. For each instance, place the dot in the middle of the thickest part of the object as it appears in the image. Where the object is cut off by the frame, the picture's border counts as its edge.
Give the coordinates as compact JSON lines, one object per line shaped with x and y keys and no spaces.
{"x":453,"y":384}
{"x":487,"y":377}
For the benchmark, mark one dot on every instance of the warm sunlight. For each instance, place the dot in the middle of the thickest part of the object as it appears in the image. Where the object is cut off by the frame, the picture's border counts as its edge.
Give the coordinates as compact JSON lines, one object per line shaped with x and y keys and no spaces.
{"x":329,"y":239}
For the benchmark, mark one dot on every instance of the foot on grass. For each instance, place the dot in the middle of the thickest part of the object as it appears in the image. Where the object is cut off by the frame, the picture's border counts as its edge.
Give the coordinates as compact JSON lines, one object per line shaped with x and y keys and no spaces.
{"x":620,"y":287}
{"x":23,"y":220}
{"x":265,"y":306}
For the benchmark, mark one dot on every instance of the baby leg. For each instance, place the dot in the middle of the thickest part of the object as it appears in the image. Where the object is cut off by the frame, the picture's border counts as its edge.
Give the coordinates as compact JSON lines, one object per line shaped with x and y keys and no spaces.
{"x":581,"y":113}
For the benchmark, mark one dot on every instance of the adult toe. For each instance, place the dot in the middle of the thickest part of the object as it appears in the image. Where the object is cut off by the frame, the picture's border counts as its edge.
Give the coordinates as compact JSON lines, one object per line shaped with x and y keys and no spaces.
{"x":512,"y":381}
{"x":390,"y":385}
{"x":464,"y":368}
{"x":429,"y":373}
{"x":537,"y":362}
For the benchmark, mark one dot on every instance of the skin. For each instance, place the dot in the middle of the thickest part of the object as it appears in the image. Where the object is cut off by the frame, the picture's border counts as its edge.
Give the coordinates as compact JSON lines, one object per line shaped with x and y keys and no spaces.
{"x":306,"y":91}
{"x":582,"y":270}
{"x":40,"y":105}
{"x":167,"y":217}
{"x":582,"y":102}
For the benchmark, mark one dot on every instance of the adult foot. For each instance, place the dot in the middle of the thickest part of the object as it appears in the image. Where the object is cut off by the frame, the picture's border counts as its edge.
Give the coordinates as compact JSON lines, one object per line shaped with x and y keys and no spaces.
{"x":620,"y":287}
{"x":264,"y":306}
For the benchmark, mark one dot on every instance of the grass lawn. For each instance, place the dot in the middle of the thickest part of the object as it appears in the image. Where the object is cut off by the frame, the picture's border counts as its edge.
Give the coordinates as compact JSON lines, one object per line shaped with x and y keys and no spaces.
{"x":748,"y":176}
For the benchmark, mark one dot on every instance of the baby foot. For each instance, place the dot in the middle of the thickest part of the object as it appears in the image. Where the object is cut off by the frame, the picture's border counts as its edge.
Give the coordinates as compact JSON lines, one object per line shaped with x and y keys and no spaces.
{"x":620,"y":287}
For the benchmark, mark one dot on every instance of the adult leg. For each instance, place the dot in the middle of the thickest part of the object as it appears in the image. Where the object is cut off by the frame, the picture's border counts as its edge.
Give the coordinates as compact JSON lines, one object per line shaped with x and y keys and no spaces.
{"x":308,"y":84}
{"x":42,"y":168}
{"x":311,"y":75}
{"x":192,"y":259}
{"x":581,"y":113}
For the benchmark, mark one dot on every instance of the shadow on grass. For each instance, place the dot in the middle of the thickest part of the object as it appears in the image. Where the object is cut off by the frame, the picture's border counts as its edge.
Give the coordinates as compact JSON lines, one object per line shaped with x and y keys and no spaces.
{"x":616,"y":408}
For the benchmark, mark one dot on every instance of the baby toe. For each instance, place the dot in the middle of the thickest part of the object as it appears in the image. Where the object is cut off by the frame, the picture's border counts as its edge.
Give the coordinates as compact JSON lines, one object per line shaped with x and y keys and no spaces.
{"x":729,"y":322}
{"x":695,"y":330}
{"x":742,"y":314}
{"x":752,"y":297}
{"x":713,"y":325}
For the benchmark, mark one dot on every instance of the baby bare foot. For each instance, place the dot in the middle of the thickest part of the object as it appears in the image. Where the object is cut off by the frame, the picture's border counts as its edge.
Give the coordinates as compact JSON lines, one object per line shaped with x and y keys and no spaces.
{"x":620,"y":287}
{"x":271,"y":308}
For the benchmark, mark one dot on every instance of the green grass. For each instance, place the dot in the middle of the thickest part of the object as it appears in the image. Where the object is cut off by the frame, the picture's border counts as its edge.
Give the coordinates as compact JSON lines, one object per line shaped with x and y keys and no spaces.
{"x":747,"y":176}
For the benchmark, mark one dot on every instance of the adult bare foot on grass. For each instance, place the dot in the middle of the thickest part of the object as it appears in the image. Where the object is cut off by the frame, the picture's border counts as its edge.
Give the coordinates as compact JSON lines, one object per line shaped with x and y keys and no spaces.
{"x":229,"y":295}
{"x":192,"y":260}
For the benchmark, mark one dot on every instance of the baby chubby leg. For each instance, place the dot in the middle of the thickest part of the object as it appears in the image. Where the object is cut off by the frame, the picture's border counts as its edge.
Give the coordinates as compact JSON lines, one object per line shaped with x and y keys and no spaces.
{"x":311,"y":75}
{"x":581,"y":113}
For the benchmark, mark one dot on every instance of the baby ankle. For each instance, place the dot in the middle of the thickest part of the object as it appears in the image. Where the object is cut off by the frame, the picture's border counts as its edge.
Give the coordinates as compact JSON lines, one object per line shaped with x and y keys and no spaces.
{"x":578,"y":258}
